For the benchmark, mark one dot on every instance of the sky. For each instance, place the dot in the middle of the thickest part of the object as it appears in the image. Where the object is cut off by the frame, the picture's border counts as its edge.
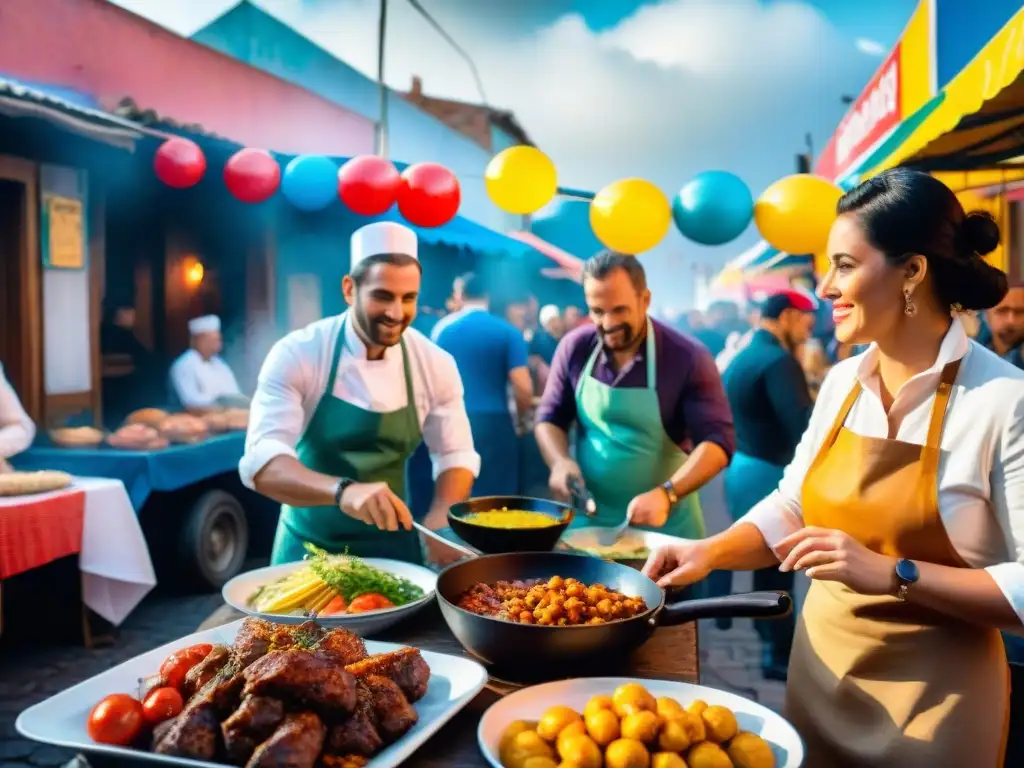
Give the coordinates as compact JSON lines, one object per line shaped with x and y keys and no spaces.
{"x":610,"y":89}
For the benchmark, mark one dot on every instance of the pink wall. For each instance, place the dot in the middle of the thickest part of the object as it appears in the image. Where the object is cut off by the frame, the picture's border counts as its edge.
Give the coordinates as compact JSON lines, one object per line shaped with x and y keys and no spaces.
{"x":100,"y":49}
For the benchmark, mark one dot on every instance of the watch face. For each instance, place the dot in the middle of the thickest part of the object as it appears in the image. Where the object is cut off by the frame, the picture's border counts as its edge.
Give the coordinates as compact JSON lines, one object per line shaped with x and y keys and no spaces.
{"x":906,"y":570}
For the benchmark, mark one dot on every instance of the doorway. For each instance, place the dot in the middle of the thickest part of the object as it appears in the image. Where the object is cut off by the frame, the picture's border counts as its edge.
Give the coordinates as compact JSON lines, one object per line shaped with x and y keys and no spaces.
{"x":19,"y":283}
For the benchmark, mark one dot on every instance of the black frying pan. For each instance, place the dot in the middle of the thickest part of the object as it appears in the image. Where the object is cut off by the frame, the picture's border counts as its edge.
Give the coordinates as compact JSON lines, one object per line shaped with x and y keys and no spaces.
{"x":497,"y":540}
{"x":553,"y":651}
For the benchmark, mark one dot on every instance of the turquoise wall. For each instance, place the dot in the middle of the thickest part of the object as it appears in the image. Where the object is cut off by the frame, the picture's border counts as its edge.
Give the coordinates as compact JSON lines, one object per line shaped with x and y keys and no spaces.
{"x":248,"y":34}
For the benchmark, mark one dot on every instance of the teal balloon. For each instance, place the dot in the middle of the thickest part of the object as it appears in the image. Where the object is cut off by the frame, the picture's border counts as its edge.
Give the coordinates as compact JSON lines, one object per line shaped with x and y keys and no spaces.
{"x":310,"y":182}
{"x":714,"y":208}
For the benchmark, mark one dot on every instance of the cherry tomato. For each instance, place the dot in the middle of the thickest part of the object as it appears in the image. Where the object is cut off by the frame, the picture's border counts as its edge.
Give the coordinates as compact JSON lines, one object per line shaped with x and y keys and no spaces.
{"x":116,"y":720}
{"x":371,"y":601}
{"x":336,"y":606}
{"x":177,"y":665}
{"x":162,"y":704}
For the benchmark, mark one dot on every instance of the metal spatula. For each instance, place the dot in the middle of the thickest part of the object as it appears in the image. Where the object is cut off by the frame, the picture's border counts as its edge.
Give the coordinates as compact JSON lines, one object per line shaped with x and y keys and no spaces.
{"x":608,"y":536}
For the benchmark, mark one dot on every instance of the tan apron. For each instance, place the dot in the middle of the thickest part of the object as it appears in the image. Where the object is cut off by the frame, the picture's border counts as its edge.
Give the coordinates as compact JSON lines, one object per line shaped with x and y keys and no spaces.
{"x":874,"y":681}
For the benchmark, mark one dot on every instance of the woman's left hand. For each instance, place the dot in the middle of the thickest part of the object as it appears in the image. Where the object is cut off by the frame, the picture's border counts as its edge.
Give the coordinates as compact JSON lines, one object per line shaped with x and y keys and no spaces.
{"x":831,"y":555}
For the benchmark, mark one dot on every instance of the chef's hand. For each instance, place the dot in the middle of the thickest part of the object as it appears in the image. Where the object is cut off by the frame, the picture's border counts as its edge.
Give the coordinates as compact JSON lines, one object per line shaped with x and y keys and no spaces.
{"x":679,"y":565}
{"x":5,"y":467}
{"x":650,"y":509}
{"x":375,"y":504}
{"x":831,"y":555}
{"x":562,"y":473}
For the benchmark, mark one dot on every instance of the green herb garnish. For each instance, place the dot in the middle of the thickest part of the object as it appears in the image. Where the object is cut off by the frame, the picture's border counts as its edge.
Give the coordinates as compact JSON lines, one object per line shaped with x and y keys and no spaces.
{"x":350,"y":577}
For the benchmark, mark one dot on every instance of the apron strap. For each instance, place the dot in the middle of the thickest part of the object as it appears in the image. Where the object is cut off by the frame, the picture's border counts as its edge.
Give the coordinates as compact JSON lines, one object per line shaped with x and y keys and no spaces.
{"x":589,"y":367}
{"x":339,"y":344}
{"x":844,"y":411}
{"x":942,"y":395}
{"x":407,"y":368}
{"x":652,"y":370}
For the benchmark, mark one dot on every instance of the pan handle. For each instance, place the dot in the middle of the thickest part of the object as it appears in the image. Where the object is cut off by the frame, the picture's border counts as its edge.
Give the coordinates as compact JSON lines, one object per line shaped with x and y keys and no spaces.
{"x":748,"y":605}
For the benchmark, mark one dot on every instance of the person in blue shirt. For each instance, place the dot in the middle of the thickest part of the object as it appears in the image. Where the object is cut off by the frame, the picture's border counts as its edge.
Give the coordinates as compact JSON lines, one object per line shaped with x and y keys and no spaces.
{"x":1005,"y":323}
{"x":771,"y":406}
{"x":491,"y":355}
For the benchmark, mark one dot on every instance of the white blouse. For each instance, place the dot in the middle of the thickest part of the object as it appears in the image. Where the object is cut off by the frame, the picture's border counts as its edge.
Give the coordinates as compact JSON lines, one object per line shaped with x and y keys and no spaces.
{"x":16,"y":428}
{"x":294,"y":379}
{"x":981,"y":467}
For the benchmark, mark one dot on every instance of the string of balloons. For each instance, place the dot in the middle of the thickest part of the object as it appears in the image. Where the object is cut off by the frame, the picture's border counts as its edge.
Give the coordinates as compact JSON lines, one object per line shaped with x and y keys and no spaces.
{"x":427,"y":194}
{"x":630,"y":215}
{"x":633,"y":215}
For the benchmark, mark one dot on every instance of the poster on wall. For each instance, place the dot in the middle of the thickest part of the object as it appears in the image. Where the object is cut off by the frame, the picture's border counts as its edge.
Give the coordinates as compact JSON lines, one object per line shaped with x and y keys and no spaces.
{"x":63,"y":232}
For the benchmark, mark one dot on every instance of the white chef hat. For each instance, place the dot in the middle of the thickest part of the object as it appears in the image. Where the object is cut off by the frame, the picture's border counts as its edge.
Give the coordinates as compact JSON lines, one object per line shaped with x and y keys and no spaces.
{"x":204,"y":324}
{"x":382,"y":237}
{"x":548,"y":313}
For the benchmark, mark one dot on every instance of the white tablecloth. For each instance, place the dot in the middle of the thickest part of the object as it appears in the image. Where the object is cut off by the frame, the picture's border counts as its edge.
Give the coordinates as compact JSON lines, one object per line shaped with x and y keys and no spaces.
{"x":116,"y":568}
{"x":114,"y":559}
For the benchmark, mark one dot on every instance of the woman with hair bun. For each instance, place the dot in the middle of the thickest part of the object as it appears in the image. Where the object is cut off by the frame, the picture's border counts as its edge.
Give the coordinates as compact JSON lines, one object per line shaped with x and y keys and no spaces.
{"x":904,"y":503}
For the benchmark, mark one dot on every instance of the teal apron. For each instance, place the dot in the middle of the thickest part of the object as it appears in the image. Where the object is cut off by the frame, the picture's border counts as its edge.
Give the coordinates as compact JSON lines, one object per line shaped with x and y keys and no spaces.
{"x":623,"y":451}
{"x":347,"y":441}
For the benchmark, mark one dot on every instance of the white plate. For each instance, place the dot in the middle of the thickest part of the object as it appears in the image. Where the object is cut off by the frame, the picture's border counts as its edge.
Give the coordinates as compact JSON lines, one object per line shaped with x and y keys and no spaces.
{"x":531,"y":703}
{"x":588,"y":539}
{"x":236,"y":593}
{"x":61,"y":719}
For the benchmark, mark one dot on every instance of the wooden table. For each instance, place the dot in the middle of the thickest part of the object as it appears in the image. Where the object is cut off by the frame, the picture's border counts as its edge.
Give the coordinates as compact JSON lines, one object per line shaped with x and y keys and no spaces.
{"x":671,"y":654}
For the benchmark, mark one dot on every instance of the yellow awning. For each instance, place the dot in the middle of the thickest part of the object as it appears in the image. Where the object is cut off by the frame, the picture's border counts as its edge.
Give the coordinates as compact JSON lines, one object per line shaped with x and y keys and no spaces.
{"x":980,"y":119}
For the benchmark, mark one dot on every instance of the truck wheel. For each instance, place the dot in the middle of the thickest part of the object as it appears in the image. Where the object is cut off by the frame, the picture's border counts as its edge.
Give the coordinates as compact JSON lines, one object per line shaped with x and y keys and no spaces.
{"x":215,"y":539}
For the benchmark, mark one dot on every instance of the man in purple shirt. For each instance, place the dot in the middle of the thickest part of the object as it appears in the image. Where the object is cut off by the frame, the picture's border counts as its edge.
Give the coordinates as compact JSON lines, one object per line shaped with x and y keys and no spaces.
{"x":653,"y":424}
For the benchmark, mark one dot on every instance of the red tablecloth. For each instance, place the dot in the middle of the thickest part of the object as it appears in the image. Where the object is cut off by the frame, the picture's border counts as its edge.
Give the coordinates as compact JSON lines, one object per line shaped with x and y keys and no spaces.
{"x":35,"y":530}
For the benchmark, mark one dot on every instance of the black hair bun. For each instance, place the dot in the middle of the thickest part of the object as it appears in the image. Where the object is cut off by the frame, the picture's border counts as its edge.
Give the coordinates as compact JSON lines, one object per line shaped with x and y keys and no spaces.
{"x":980,"y":232}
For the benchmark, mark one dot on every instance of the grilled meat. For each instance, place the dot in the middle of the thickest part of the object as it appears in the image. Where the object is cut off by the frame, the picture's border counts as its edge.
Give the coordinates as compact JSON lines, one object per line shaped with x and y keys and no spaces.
{"x":205,"y":670}
{"x":310,"y":679}
{"x":295,"y":744}
{"x":195,"y":734}
{"x":358,"y":735}
{"x":405,"y":667}
{"x":347,"y":646}
{"x":343,"y":761}
{"x":392,"y":711}
{"x":252,"y":722}
{"x":256,"y":638}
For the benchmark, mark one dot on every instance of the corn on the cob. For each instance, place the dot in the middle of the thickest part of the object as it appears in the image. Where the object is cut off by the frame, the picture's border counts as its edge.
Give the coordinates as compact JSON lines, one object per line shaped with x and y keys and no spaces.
{"x":328,"y":595}
{"x":295,"y":597}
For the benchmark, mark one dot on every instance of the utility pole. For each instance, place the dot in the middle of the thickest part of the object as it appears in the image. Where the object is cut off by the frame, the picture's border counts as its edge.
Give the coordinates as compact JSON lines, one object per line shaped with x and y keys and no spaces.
{"x":382,"y":122}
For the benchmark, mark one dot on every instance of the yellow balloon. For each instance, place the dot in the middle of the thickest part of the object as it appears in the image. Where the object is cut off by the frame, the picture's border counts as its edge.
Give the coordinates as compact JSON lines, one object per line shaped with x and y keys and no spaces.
{"x":521,"y":180}
{"x":630,"y":216}
{"x":795,"y":213}
{"x":821,"y":263}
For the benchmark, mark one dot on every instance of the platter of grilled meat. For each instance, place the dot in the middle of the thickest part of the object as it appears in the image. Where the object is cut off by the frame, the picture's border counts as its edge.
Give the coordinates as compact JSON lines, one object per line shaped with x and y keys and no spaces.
{"x":262,"y":695}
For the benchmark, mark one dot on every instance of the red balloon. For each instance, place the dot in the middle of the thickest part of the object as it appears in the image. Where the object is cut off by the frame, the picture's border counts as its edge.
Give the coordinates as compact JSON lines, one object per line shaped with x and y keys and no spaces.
{"x":429,"y":196}
{"x":368,"y":184}
{"x":179,"y":163}
{"x":252,"y":175}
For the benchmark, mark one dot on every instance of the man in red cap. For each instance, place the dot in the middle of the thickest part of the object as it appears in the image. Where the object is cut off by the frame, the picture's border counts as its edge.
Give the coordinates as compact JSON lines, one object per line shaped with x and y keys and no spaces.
{"x":771,"y":407}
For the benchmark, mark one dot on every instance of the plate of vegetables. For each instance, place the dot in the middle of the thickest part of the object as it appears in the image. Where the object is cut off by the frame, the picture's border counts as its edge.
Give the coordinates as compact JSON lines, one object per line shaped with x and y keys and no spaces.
{"x":362,"y":595}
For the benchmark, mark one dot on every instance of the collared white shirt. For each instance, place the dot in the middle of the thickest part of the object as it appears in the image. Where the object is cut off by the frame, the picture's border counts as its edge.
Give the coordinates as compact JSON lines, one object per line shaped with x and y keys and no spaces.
{"x":16,"y":428}
{"x":981,"y":468}
{"x":199,"y":383}
{"x":294,"y":379}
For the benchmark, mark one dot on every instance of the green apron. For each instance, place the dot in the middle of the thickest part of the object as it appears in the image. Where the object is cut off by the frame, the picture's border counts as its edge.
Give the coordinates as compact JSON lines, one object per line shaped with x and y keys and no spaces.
{"x":623,"y":451}
{"x":347,"y":441}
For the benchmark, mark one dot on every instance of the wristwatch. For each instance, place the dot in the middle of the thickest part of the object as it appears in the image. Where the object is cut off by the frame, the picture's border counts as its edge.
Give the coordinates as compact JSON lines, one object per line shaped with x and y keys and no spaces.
{"x":670,"y":491}
{"x":906,"y":574}
{"x":343,"y":483}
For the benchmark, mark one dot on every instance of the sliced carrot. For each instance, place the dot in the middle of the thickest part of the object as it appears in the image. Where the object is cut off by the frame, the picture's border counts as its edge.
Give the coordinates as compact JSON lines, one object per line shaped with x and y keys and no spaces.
{"x":337,"y":605}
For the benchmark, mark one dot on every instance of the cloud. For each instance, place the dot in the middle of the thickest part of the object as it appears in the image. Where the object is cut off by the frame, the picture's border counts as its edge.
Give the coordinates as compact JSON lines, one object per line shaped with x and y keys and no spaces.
{"x":870,"y":47}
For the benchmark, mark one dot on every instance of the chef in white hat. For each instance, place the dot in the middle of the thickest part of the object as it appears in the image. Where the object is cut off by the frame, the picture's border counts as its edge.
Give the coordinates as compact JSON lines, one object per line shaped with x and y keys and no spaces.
{"x":341,"y":405}
{"x":200,"y":378}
